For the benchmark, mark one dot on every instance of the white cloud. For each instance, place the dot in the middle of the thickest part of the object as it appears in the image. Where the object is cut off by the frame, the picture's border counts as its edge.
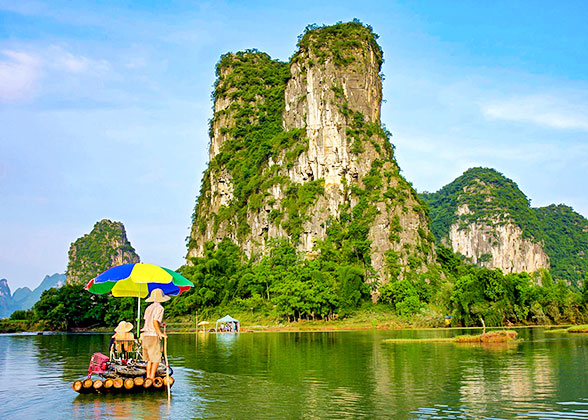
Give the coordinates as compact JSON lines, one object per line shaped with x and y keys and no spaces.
{"x":25,"y":74}
{"x":19,"y":73}
{"x":63,"y":60}
{"x":543,"y":110}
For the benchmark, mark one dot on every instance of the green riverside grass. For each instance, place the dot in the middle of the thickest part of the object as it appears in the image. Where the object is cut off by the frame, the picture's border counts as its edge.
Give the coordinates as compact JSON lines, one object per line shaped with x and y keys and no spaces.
{"x":578,"y":329}
{"x":501,"y":336}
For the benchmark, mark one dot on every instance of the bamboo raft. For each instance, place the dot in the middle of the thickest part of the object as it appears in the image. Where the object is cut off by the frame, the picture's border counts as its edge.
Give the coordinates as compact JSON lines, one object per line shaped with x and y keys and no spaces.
{"x":122,"y":385}
{"x":116,"y":376}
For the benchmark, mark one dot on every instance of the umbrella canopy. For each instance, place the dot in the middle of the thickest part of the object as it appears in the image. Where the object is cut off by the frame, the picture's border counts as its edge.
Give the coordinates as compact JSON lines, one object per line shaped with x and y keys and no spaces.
{"x":138,"y":280}
{"x":203,"y":323}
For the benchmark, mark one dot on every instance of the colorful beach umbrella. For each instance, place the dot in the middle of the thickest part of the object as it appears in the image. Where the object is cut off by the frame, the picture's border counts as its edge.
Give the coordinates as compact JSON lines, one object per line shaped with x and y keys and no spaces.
{"x":138,"y":280}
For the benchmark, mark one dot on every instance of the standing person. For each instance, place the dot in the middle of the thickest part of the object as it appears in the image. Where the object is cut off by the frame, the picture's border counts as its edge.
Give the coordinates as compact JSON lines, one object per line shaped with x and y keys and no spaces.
{"x":152,"y":332}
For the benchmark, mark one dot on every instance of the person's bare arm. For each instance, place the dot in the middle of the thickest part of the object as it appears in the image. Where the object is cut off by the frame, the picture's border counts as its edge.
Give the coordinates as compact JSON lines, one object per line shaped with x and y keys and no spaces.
{"x":158,"y":330}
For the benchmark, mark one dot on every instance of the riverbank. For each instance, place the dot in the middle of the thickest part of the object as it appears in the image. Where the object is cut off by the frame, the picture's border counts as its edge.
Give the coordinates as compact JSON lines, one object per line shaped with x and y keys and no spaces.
{"x":360,"y":320}
{"x":300,"y":326}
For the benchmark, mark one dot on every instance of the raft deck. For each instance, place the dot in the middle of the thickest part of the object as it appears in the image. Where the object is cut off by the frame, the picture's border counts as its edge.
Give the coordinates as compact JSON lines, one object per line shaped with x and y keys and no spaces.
{"x":123,"y":385}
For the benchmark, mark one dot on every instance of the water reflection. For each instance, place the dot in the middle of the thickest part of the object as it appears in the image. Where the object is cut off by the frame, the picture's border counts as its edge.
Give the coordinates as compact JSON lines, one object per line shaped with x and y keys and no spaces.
{"x":311,"y":376}
{"x":130,"y":406}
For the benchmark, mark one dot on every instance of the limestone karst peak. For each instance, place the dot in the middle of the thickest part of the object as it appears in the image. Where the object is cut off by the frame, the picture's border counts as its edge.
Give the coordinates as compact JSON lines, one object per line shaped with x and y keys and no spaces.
{"x":105,"y":246}
{"x":298,"y":151}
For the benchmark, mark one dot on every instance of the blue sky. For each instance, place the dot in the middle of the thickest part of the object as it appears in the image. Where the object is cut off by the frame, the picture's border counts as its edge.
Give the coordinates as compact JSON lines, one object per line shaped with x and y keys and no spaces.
{"x":104,"y":107}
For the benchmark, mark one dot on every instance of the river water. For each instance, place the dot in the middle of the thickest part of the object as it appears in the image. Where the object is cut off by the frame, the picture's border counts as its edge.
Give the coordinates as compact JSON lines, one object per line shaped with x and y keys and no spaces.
{"x":310,"y":375}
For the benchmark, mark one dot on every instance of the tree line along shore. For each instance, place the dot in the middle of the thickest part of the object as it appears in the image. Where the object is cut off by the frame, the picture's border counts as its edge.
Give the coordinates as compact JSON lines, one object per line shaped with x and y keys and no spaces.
{"x":287,"y":291}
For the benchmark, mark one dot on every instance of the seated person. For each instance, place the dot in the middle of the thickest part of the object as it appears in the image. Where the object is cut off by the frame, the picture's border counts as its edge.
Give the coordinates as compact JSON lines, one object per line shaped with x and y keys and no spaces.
{"x":123,"y":339}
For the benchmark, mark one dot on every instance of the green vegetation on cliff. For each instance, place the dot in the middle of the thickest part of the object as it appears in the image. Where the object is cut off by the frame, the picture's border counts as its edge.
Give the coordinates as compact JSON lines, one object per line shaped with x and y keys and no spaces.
{"x":251,"y":154}
{"x":106,"y":245}
{"x":566,"y":242}
{"x":519,"y":298}
{"x":339,"y":41}
{"x":255,"y":85}
{"x":491,"y":198}
{"x":494,"y":199}
{"x":285,"y":285}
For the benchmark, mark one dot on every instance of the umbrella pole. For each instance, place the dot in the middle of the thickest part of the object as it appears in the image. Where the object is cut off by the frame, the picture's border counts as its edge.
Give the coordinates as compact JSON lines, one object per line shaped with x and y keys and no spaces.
{"x":139,"y":311}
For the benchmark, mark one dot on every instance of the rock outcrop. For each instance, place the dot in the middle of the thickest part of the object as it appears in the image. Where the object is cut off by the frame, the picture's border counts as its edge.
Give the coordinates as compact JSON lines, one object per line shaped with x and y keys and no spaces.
{"x":104,"y":247}
{"x":498,"y":245}
{"x":298,"y":151}
{"x":4,"y":288}
{"x":6,"y":304}
{"x":485,"y":217}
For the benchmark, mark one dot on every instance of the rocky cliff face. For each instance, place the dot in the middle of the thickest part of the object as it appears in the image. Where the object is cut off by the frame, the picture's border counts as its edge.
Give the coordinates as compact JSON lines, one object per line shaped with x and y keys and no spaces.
{"x":485,"y":217}
{"x":497,"y":245}
{"x":104,"y":247}
{"x":298,"y":151}
{"x":4,"y":288}
{"x":6,"y":304}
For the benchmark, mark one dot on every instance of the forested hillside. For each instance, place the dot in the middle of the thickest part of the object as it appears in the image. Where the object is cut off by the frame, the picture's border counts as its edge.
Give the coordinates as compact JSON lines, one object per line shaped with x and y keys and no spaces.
{"x":565,"y":235}
{"x":485,"y":202}
{"x":490,"y":197}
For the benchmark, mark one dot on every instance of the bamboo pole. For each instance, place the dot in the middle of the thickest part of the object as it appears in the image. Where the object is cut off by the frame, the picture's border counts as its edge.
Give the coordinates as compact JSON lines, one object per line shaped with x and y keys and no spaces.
{"x":108,"y":383}
{"x":117,"y":383}
{"x":166,"y":364}
{"x":129,"y":383}
{"x":139,"y":381}
{"x":77,"y":386}
{"x":87,"y":384}
{"x":98,"y":384}
{"x":148,"y":382}
{"x":157,"y":382}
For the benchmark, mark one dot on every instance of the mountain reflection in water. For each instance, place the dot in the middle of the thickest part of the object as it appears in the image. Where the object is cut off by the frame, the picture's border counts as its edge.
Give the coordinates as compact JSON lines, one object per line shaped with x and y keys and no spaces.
{"x":326,"y":375}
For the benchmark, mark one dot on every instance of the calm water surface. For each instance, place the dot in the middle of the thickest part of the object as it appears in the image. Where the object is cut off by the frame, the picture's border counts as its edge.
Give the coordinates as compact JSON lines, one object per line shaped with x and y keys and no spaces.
{"x":327,"y":375}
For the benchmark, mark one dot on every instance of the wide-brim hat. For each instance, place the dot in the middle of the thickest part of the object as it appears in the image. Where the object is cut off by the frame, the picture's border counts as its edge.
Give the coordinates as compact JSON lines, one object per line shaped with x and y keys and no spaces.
{"x":157,"y":296}
{"x":123,"y":327}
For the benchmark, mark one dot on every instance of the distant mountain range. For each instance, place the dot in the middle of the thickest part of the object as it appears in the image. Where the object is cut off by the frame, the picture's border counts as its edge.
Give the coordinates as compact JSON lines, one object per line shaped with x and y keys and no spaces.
{"x":23,"y":297}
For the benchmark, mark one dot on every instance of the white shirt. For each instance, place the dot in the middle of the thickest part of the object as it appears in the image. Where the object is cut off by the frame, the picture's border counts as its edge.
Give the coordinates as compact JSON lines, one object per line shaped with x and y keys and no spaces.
{"x":154,"y":312}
